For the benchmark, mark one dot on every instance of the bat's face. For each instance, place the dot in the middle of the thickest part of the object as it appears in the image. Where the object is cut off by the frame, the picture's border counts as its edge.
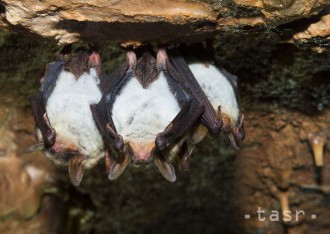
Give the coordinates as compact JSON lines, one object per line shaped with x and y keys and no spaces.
{"x":69,"y":87}
{"x":142,"y":152}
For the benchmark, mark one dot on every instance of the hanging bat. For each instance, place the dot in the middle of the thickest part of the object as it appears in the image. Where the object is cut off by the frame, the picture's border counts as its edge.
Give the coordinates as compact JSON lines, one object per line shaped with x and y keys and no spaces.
{"x":143,"y":113}
{"x":216,"y":89}
{"x":66,"y":128}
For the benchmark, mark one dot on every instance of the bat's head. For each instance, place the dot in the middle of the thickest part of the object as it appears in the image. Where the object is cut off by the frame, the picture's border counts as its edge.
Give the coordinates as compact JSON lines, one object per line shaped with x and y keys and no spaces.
{"x":142,"y":152}
{"x":63,"y":150}
{"x":67,"y":151}
{"x":234,"y":127}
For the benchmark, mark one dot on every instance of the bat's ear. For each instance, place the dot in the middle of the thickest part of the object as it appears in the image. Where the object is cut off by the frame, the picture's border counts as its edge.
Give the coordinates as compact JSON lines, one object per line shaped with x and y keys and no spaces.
{"x":166,"y":169}
{"x":76,"y":169}
{"x":116,"y":167}
{"x":94,"y":61}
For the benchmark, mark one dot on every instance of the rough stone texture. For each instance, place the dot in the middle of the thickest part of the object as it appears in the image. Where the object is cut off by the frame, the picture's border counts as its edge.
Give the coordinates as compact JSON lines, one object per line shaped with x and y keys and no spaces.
{"x":315,"y":34}
{"x":32,"y":198}
{"x":24,"y":181}
{"x":140,"y":21}
{"x":276,"y":170}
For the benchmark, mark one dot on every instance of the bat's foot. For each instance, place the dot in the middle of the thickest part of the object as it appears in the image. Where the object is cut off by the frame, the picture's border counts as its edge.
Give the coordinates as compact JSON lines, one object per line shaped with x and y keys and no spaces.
{"x":131,"y":60}
{"x":162,"y":59}
{"x":94,"y":61}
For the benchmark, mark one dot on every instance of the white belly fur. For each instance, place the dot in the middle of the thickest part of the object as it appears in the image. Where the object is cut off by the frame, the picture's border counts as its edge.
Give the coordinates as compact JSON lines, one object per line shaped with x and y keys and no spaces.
{"x":70,"y":115}
{"x":217,"y":89}
{"x":140,"y":114}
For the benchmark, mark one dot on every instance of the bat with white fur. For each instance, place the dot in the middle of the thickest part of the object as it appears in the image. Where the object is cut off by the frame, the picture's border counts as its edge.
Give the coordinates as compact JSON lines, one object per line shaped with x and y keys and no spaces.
{"x":144,"y":112}
{"x":66,"y":129}
{"x":216,"y":89}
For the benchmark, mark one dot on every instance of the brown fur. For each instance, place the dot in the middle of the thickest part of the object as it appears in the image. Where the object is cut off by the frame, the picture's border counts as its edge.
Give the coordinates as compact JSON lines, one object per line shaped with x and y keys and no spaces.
{"x":146,"y":69}
{"x":77,"y":63}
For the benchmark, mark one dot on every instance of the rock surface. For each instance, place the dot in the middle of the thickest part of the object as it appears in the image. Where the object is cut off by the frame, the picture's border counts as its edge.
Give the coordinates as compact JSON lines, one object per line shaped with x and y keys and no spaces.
{"x":24,"y":180}
{"x":138,"y":21}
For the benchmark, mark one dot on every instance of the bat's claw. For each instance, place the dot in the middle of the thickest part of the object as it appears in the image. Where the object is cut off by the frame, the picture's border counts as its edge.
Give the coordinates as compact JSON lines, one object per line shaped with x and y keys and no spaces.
{"x":94,"y":61}
{"x":162,"y":59}
{"x":131,"y":60}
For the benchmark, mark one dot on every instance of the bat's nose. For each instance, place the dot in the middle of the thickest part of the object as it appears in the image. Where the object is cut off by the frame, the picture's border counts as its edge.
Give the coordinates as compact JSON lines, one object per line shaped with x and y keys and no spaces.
{"x":63,"y":148}
{"x":142,"y":152}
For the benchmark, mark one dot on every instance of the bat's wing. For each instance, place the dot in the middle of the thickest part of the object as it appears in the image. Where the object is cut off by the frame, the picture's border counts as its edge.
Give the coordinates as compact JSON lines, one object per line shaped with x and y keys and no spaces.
{"x":102,"y":114}
{"x":38,"y":102}
{"x":102,"y":111}
{"x":40,"y":115}
{"x":190,"y":112}
{"x":106,"y":126}
{"x":238,"y":128}
{"x":209,"y":117}
{"x":116,"y":85}
{"x":52,"y":73}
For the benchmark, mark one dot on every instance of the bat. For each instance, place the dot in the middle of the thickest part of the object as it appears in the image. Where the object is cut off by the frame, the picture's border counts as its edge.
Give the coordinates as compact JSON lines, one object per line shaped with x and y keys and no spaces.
{"x":66,"y":129}
{"x":144,"y":112}
{"x":216,"y":89}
